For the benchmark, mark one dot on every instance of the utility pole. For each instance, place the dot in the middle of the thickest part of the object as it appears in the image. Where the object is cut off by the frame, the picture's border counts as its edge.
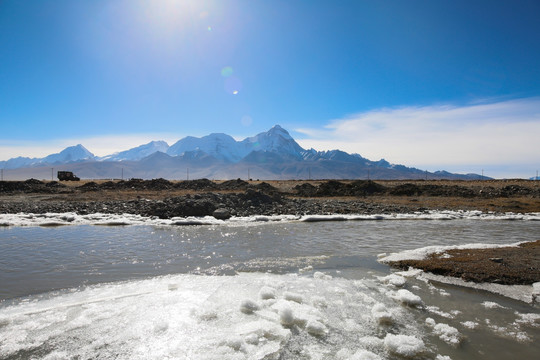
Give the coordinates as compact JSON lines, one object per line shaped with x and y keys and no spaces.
{"x":122,"y":173}
{"x":482,"y":174}
{"x":52,"y":172}
{"x":248,"y":175}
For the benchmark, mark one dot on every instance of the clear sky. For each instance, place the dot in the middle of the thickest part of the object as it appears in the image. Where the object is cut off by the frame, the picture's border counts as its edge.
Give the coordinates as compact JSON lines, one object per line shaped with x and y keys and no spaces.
{"x":445,"y":84}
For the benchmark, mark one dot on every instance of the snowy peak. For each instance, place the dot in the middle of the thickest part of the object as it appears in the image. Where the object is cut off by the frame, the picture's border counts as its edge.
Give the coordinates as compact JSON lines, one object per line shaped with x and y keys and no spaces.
{"x":138,"y":152}
{"x":221,"y":146}
{"x":279,"y":131}
{"x":276,"y":140}
{"x":224,"y":147}
{"x":69,"y":154}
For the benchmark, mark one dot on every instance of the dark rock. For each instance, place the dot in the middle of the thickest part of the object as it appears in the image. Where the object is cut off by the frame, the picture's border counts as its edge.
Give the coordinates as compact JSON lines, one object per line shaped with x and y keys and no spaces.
{"x":237,"y":184}
{"x":305,"y":189}
{"x":221,"y":214}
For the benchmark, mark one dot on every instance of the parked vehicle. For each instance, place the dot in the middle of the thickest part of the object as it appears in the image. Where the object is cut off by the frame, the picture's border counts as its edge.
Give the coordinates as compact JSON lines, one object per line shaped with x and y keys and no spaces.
{"x":67,"y":176}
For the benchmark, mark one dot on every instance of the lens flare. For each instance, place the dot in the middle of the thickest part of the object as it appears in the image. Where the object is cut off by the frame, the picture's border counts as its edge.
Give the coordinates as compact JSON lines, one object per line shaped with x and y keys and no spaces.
{"x":226,"y":71}
{"x":233,"y":85}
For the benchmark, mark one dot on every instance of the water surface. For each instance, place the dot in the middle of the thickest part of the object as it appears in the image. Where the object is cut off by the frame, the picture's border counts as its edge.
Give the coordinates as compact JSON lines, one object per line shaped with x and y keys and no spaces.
{"x":182,"y":292}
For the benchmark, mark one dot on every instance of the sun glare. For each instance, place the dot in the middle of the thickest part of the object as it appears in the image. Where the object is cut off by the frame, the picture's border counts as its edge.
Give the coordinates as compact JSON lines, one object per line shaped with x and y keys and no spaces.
{"x":173,"y":16}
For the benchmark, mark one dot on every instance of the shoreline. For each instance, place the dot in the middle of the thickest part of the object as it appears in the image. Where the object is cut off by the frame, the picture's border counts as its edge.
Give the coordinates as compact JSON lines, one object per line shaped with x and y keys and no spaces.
{"x":517,"y":264}
{"x":167,"y":199}
{"x":163,"y":199}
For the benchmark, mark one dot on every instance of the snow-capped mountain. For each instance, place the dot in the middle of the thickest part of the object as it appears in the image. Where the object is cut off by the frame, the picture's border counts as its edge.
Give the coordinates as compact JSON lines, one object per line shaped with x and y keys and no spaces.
{"x":138,"y":152}
{"x":276,"y":140}
{"x":273,"y":154}
{"x":225,"y":147}
{"x":220,"y":146}
{"x":69,"y":154}
{"x":18,"y":162}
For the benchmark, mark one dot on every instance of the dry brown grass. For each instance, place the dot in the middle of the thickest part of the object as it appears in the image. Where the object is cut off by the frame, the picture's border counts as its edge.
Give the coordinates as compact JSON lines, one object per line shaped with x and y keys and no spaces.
{"x":518,"y":204}
{"x":507,"y":265}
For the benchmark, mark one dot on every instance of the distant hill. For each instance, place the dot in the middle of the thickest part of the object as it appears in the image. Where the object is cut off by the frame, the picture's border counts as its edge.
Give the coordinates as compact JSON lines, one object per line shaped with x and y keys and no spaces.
{"x":269,"y":155}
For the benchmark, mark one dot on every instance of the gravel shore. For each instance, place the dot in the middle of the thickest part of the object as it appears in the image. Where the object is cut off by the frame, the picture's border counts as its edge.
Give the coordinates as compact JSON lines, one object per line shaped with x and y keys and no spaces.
{"x":203,"y":197}
{"x":512,"y":265}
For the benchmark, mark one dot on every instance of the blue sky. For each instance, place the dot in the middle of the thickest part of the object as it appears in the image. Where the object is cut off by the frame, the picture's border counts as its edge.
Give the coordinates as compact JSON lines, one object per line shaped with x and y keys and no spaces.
{"x":449,"y":85}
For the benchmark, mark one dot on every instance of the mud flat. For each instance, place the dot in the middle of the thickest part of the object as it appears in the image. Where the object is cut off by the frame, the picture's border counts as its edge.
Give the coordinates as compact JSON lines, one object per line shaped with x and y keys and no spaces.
{"x":509,"y":265}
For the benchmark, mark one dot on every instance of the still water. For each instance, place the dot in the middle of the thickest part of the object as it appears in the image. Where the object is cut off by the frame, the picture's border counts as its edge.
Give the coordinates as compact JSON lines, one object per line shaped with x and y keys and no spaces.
{"x":271,"y":290}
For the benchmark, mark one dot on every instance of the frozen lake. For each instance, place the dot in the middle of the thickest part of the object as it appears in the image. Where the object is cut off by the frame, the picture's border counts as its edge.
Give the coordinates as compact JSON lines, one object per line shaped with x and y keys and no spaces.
{"x":250,"y":289}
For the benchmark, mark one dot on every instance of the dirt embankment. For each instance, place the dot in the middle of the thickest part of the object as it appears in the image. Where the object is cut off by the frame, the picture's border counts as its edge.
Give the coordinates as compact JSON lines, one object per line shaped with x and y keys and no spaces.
{"x":160,"y":197}
{"x":507,"y":265}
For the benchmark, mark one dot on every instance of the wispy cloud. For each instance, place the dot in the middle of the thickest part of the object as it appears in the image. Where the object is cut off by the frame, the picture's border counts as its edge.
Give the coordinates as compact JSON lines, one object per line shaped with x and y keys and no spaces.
{"x":496,"y":135}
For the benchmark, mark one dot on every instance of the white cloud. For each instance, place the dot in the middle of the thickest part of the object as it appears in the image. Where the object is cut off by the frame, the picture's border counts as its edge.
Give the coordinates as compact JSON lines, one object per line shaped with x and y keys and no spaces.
{"x":501,"y":135}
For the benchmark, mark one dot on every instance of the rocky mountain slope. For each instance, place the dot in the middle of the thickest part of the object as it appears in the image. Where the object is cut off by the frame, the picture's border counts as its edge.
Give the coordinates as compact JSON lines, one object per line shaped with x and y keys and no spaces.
{"x":269,"y":155}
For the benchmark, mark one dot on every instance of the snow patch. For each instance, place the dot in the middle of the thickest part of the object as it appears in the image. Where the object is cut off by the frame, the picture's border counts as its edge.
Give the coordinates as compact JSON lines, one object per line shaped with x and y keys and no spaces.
{"x":492,"y":305}
{"x":425,"y":252}
{"x":407,"y":298}
{"x":394,"y":280}
{"x":470,"y":324}
{"x":445,"y":332}
{"x":59,"y":219}
{"x":404,"y":345}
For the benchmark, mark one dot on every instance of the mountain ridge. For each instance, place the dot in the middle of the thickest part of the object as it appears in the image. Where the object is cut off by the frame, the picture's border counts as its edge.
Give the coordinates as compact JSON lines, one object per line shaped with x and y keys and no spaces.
{"x":273,"y":154}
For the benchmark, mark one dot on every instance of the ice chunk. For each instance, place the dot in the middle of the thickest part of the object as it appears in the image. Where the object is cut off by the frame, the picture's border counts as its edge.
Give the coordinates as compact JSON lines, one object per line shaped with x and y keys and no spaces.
{"x":530,"y":319}
{"x":404,"y":345}
{"x":393,"y":279}
{"x":319,"y":301}
{"x":235,"y":343}
{"x":267,"y":293}
{"x":161,"y":327}
{"x":321,"y":275}
{"x":293,"y":297}
{"x":381,"y":314}
{"x":445,"y":332}
{"x":492,"y":305}
{"x":371,"y":343}
{"x":286,"y":316}
{"x":307,"y":268}
{"x":438,"y":311}
{"x":443,"y":357}
{"x":172,"y":287}
{"x":252,"y":339}
{"x":407,"y":298}
{"x":316,"y":328}
{"x":346,"y":354}
{"x":249,"y":306}
{"x":470,"y":324}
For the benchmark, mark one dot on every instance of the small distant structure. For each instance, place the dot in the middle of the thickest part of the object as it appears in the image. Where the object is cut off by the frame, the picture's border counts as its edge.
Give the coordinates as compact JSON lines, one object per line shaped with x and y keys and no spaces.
{"x":67,"y":176}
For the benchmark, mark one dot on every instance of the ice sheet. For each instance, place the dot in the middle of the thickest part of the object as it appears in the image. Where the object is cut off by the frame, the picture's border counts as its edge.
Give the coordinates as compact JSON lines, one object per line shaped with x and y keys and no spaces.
{"x":60,"y":219}
{"x":249,"y":316}
{"x":424,"y":252}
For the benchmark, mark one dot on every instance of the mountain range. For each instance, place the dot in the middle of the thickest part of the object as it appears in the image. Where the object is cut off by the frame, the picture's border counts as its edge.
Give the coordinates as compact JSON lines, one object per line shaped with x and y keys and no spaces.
{"x":269,"y":155}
